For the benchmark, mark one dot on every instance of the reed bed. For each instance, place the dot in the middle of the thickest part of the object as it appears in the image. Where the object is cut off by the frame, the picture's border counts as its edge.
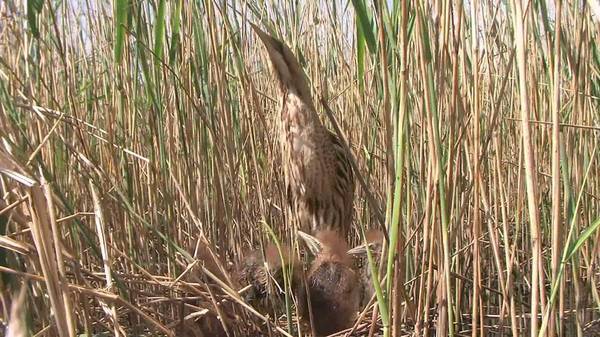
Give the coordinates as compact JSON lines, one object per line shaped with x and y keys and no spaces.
{"x":133,"y":132}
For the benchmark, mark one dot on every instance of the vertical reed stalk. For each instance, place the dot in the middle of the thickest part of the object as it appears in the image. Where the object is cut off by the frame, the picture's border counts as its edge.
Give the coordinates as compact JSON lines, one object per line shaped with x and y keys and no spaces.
{"x":521,"y":37}
{"x":430,"y":100}
{"x":477,"y":323}
{"x":556,"y":325}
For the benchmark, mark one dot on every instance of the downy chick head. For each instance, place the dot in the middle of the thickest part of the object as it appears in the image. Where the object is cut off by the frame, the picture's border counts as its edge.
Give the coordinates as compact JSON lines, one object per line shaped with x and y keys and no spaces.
{"x":333,"y":286}
{"x":264,"y":273}
{"x":374,"y":241}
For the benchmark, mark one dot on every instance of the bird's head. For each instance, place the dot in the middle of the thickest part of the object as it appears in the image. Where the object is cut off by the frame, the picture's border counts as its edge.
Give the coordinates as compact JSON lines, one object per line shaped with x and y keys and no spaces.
{"x":264,"y":271}
{"x":374,"y":239}
{"x":327,"y":245}
{"x":289,"y":73}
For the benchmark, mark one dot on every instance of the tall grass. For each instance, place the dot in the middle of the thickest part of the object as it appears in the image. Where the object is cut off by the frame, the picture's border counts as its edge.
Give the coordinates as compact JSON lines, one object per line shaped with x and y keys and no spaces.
{"x":131,"y":130}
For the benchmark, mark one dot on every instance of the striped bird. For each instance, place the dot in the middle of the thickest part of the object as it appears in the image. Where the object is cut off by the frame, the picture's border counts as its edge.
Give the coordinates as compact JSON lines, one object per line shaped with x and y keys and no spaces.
{"x":265,"y":275}
{"x":319,"y":178}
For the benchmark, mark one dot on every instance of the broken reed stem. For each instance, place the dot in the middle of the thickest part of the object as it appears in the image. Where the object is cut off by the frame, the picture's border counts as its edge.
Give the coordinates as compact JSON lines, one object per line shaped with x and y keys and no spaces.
{"x":111,"y":311}
{"x":58,"y":250}
{"x":41,"y":232}
{"x":99,"y":295}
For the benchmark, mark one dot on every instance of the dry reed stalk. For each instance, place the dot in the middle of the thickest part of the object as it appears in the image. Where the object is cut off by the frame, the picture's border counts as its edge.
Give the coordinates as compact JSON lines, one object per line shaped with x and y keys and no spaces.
{"x":555,"y":326}
{"x":17,"y":325}
{"x":178,"y":132}
{"x":41,"y":232}
{"x":110,"y":311}
{"x":445,"y":305}
{"x":537,"y":277}
{"x":58,"y":250}
{"x":477,"y":327}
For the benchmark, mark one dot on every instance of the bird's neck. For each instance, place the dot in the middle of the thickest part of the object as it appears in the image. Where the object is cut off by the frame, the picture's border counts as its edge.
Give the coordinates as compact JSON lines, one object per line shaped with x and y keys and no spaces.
{"x":298,"y":111}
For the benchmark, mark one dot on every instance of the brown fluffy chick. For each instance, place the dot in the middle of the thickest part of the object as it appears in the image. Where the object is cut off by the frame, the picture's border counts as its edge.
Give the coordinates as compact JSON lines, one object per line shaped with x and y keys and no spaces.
{"x":374,"y":239}
{"x":265,"y":275}
{"x":333,"y":287}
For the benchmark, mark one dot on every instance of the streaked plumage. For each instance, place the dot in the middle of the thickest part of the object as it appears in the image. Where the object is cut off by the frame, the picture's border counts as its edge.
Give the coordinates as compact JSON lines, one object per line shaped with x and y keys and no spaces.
{"x":265,"y":275}
{"x":318,"y":174}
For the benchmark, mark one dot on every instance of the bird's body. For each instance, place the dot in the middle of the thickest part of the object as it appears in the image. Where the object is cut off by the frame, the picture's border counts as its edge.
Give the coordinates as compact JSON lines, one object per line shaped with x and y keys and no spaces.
{"x":319,"y":178}
{"x":333,"y":287}
{"x":318,"y":174}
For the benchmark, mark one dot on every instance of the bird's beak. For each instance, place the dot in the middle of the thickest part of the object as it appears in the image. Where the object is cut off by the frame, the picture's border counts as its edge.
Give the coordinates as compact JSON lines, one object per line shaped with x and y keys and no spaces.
{"x":273,"y":45}
{"x":314,"y":245}
{"x":288,"y":71}
{"x":361,"y":249}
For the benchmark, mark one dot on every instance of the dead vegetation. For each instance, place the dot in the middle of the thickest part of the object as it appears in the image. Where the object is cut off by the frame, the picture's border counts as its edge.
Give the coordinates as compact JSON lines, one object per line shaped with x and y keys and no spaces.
{"x":140,"y":168}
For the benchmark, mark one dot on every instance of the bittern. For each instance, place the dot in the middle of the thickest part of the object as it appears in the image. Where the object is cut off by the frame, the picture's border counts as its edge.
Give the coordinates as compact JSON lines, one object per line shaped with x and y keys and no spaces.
{"x":265,"y":274}
{"x":374,"y":241}
{"x":317,"y":171}
{"x":333,"y":287}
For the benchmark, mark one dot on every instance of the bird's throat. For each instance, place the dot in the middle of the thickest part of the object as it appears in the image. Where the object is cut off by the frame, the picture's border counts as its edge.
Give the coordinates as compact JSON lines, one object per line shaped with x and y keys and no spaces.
{"x":296,"y":113}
